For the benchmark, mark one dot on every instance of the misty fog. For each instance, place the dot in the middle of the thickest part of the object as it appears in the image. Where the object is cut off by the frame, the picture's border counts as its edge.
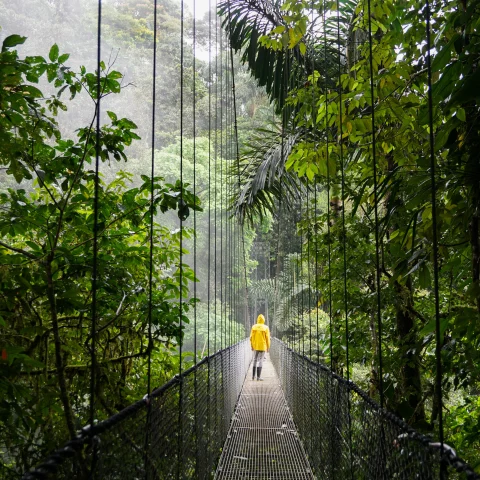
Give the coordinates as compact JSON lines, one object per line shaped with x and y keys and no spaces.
{"x":201,"y":144}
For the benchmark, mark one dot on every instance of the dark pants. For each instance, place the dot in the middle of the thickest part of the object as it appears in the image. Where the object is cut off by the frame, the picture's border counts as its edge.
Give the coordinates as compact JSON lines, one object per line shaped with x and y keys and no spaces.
{"x":258,"y":356}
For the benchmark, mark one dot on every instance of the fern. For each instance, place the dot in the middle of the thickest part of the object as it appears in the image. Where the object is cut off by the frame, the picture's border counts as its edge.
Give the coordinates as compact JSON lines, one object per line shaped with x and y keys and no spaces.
{"x":286,"y":293}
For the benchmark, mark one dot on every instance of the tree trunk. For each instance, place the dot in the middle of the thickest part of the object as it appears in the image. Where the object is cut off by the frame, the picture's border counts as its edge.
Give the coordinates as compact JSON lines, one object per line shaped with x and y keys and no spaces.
{"x":474,"y":241}
{"x":411,"y":391}
{"x":58,"y":352}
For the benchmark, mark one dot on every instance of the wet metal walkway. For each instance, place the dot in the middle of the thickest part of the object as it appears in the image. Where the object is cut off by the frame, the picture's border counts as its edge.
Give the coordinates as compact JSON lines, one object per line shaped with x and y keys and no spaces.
{"x":262,"y":443}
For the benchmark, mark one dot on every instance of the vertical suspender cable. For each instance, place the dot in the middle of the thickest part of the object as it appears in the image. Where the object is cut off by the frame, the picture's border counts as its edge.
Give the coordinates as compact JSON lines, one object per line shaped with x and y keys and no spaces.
{"x":344,"y":241}
{"x":314,"y":118}
{"x":225,"y":235}
{"x":225,"y":229}
{"x":152,"y":208}
{"x":300,"y":275}
{"x":438,"y":346}
{"x":242,"y":235}
{"x":377,"y":239}
{"x":182,"y":16}
{"x":329,"y":241}
{"x":309,"y":298}
{"x":232,"y":237}
{"x":286,"y":72}
{"x":309,"y":398}
{"x":230,"y":224}
{"x":194,"y":73}
{"x":342,"y":173}
{"x":93,"y":333}
{"x":226,"y":245}
{"x":295,"y":311}
{"x":245,"y":275}
{"x":309,"y":285}
{"x":151,"y":242}
{"x":327,"y":140}
{"x":180,"y":362}
{"x":215,"y":192}
{"x":237,"y":158}
{"x":302,"y":258}
{"x":277,"y":298}
{"x":238,"y":277}
{"x":315,"y":139}
{"x":215,"y":256}
{"x":225,"y":196}
{"x":224,"y":239}
{"x":301,"y":338}
{"x":317,"y":296}
{"x":375,"y":193}
{"x":194,"y":106}
{"x":243,"y":259}
{"x":276,"y":295}
{"x":209,"y":234}
{"x":222,"y":300}
{"x":235,"y":139}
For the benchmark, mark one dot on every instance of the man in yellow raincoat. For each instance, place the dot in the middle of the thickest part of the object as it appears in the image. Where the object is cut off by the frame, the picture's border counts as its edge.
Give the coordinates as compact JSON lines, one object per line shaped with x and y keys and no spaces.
{"x":260,"y":342}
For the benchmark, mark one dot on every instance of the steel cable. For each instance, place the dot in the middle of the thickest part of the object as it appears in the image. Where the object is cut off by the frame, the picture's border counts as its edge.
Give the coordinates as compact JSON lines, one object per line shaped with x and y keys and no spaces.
{"x":376,"y":200}
{"x":180,"y":347}
{"x":344,"y":239}
{"x":95,"y":219}
{"x":438,"y":340}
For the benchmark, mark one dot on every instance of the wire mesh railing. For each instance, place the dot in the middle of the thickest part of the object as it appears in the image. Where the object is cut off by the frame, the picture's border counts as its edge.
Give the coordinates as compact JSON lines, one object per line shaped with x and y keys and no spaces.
{"x":348,"y":436}
{"x":177,"y":433}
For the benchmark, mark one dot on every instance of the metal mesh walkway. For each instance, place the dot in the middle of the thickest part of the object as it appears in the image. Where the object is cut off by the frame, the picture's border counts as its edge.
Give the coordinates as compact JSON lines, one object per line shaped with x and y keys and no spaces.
{"x":262,"y":443}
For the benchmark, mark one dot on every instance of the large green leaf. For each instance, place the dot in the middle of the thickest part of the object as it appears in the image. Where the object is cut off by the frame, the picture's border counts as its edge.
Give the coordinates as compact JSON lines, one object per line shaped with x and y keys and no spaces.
{"x":12,"y":41}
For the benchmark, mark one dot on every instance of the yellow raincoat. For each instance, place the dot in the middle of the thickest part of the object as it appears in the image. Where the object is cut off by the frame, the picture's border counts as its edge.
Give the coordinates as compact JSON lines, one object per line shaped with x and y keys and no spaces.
{"x":260,"y":335}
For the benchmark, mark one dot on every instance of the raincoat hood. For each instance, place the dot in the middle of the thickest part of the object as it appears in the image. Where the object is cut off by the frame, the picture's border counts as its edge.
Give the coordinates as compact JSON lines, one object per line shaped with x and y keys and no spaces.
{"x":260,"y":335}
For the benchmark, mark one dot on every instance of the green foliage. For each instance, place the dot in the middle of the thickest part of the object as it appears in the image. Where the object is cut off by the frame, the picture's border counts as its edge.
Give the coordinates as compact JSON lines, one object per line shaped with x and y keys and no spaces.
{"x":212,"y":327}
{"x":463,"y":426}
{"x":57,"y":184}
{"x":247,"y":25}
{"x":362,"y":117}
{"x":49,"y":232}
{"x":260,"y":176}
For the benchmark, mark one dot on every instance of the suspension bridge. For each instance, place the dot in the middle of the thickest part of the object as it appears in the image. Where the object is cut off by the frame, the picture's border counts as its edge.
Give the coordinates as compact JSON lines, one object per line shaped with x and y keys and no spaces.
{"x":213,"y":421}
{"x":304,"y":420}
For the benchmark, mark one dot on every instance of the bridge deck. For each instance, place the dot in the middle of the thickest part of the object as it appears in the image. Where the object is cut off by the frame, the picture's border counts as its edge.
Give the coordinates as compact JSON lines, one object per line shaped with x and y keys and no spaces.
{"x":262,"y":443}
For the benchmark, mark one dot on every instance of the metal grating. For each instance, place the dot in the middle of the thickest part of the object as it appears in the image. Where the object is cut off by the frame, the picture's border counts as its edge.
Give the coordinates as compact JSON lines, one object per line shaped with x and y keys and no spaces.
{"x":348,"y":436}
{"x":178,"y":434}
{"x":262,"y":442}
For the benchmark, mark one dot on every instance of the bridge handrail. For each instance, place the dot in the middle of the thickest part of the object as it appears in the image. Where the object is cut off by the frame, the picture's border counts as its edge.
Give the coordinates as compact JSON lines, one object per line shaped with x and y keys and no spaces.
{"x":89,"y":434}
{"x":445,"y":454}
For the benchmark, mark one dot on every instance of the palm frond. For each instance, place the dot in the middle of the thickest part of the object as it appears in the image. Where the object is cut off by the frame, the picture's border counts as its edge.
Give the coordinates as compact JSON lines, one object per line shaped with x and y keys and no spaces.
{"x":261,"y":178}
{"x":245,"y":21}
{"x":288,"y":293}
{"x":263,"y":289}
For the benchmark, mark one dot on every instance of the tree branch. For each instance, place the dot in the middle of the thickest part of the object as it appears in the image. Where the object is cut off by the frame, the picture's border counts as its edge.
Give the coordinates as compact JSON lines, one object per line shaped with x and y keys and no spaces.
{"x":80,"y":368}
{"x":60,"y":370}
{"x":19,"y":250}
